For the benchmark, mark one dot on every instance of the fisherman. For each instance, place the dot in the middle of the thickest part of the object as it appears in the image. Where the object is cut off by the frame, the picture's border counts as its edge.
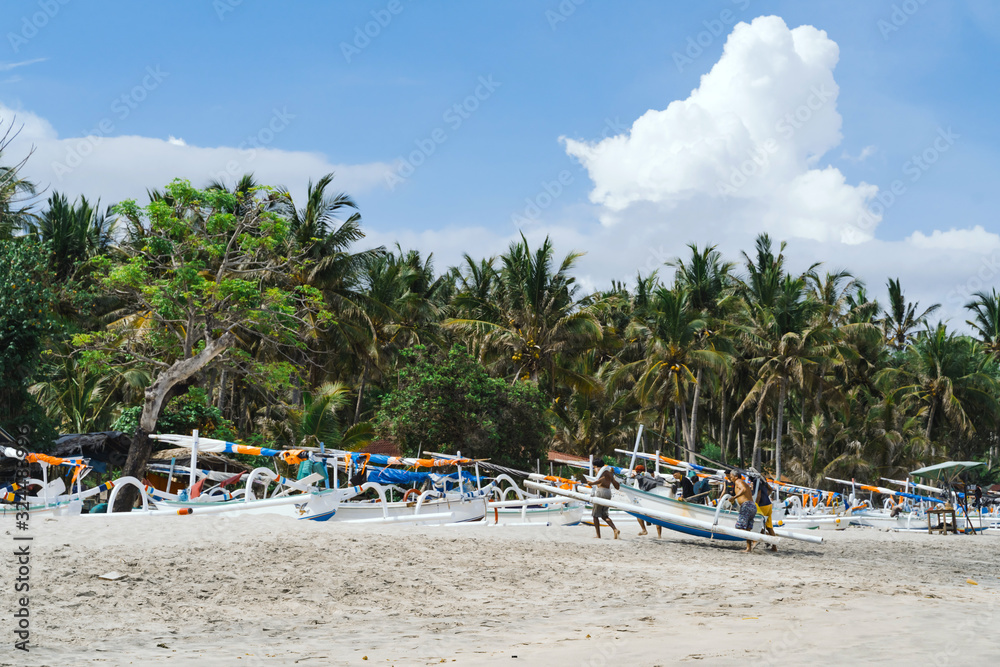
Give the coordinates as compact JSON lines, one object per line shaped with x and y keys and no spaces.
{"x":646,"y":483}
{"x":702,"y":487}
{"x":602,"y":489}
{"x":683,"y":485}
{"x":762,"y":496}
{"x":729,"y":486}
{"x":748,"y":508}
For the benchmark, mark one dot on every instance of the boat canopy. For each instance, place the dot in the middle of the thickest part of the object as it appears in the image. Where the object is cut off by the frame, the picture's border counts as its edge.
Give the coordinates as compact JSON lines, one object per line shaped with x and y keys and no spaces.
{"x":940,"y":469}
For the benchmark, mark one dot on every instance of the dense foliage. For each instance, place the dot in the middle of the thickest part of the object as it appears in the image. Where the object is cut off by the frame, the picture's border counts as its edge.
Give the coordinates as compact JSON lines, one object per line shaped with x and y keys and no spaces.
{"x":447,"y":402}
{"x":316,"y":338}
{"x":27,"y":300}
{"x":183,"y":414}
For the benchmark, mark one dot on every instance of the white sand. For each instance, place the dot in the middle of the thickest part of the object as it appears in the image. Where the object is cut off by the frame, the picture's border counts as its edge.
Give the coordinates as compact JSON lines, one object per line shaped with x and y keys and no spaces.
{"x":267,"y":590}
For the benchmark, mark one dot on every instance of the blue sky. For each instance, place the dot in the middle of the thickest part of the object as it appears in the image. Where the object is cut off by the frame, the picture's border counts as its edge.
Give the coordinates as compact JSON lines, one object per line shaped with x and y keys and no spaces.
{"x":226,"y":67}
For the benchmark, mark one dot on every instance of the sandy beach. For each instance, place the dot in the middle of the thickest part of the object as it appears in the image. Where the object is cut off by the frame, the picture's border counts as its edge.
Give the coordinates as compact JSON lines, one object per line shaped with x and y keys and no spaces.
{"x":256,"y":591}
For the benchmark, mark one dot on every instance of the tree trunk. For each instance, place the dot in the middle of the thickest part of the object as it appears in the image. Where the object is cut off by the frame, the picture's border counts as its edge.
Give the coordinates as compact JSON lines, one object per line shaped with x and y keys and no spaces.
{"x":739,"y":445}
{"x":781,"y":417}
{"x":689,"y":451}
{"x":723,"y":432}
{"x":677,"y":431}
{"x":223,"y":384}
{"x":663,"y":431}
{"x":693,"y":430}
{"x":756,"y":438}
{"x":930,"y":424}
{"x":361,"y":392}
{"x":156,"y":396}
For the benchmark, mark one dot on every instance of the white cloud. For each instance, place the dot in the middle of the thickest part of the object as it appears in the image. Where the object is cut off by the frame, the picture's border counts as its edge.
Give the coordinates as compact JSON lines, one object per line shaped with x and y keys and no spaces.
{"x":122,"y":167}
{"x":865,"y":153}
{"x":751,"y":135}
{"x":975,"y":239}
{"x":6,"y":67}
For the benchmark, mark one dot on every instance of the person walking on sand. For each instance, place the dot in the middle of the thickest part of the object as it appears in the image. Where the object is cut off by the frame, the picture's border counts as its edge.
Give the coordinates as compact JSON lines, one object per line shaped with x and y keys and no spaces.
{"x":646,"y":483}
{"x":748,"y":508}
{"x":602,"y":489}
{"x":762,"y":496}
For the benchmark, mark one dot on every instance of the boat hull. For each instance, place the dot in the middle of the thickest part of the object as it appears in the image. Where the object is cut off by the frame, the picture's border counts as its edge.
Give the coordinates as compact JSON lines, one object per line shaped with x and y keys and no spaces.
{"x":643,"y":500}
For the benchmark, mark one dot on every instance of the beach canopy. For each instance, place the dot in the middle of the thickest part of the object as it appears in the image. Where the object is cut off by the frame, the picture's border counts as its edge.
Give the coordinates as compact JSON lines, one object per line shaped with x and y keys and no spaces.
{"x":948,"y":468}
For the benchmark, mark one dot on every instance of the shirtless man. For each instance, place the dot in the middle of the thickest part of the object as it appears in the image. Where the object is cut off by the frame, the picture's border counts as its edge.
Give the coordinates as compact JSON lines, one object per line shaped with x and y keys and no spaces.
{"x":602,"y":489}
{"x":748,"y":508}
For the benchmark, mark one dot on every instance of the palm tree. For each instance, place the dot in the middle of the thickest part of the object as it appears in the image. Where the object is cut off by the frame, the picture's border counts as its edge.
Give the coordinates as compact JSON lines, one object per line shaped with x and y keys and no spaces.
{"x":17,"y":195}
{"x":74,"y":232}
{"x":397,"y":303}
{"x":788,"y":343}
{"x":709,"y":284}
{"x":986,"y":306}
{"x":676,"y":350}
{"x":317,"y":421}
{"x":531,"y":325}
{"x":85,"y":400}
{"x":947,"y":377}
{"x":900,"y":319}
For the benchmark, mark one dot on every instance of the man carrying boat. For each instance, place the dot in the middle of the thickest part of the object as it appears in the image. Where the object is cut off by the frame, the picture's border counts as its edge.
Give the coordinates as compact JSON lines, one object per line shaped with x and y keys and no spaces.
{"x":762,"y":496}
{"x":646,"y":483}
{"x":602,"y":489}
{"x":684,"y":486}
{"x":748,"y":508}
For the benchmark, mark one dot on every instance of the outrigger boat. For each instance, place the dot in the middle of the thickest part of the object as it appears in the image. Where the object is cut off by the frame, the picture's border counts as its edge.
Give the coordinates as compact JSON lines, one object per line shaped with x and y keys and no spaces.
{"x":52,"y":499}
{"x":686,"y":518}
{"x":512,"y":505}
{"x":429,"y":507}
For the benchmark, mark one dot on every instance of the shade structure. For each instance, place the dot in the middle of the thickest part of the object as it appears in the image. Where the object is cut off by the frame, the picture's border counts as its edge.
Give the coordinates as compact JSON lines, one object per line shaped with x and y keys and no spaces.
{"x":946,"y":469}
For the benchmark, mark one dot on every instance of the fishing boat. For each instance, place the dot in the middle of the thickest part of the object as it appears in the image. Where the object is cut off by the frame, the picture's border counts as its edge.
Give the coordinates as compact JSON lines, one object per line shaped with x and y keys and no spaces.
{"x":303,"y":500}
{"x":51,"y":499}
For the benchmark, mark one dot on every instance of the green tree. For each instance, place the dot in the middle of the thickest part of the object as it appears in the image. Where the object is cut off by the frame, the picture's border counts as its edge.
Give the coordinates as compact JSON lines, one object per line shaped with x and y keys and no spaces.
{"x":17,"y":195}
{"x":901,"y":319}
{"x":27,"y":299}
{"x":195,"y":278}
{"x":531,"y":325}
{"x":319,"y":420}
{"x":986,"y":307}
{"x":74,"y":232}
{"x":449,"y":403}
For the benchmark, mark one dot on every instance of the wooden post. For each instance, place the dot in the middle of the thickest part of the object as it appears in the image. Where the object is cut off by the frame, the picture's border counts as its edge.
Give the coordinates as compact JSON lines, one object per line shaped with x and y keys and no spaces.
{"x":194,"y":462}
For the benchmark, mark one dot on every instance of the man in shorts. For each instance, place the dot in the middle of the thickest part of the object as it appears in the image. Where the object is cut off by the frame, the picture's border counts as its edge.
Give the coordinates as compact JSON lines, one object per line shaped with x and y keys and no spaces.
{"x":748,"y":508}
{"x":602,"y":489}
{"x":762,"y":496}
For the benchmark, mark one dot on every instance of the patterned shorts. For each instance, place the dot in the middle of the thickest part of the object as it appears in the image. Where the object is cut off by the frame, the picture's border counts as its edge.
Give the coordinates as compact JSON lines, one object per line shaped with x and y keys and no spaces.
{"x":748,"y":511}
